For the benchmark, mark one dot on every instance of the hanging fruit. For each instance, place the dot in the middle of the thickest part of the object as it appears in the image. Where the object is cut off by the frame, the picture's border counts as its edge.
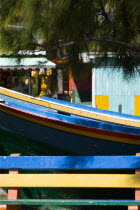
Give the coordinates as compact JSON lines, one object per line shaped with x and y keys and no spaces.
{"x":42,"y":93}
{"x":33,"y":73}
{"x":44,"y":86}
{"x":44,"y":75}
{"x":49,"y":72}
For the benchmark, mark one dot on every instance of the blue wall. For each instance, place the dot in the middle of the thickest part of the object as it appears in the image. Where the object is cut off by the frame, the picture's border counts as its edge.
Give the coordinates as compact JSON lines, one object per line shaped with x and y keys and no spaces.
{"x":121,"y":92}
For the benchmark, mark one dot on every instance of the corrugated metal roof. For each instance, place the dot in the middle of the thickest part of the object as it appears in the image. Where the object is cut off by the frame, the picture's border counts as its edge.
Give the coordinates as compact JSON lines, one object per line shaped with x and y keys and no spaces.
{"x":26,"y":63}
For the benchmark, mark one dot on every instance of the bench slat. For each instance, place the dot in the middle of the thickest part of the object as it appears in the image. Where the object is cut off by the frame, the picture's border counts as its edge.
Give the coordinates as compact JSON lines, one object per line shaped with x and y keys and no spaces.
{"x":70,"y":162}
{"x":71,"y":202}
{"x":70,"y":180}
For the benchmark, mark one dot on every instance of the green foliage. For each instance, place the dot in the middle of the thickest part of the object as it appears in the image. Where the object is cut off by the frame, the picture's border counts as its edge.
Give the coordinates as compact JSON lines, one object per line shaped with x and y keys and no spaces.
{"x":49,"y":23}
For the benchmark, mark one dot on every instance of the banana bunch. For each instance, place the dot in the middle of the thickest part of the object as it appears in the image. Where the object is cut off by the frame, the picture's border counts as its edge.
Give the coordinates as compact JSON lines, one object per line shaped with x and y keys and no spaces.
{"x":49,"y":72}
{"x":44,"y":77}
{"x":33,"y":73}
{"x":42,"y":93}
{"x":44,"y":86}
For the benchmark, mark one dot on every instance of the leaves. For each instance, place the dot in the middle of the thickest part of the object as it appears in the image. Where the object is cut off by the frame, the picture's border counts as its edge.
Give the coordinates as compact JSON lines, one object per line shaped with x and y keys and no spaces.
{"x":74,"y":26}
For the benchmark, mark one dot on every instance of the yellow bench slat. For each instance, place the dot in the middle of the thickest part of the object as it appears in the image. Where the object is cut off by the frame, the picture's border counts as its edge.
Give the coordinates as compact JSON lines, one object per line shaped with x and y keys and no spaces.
{"x":70,"y":180}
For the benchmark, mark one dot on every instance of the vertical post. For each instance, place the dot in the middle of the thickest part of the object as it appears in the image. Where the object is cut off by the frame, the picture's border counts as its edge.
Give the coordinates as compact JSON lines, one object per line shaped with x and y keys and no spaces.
{"x":29,"y":77}
{"x":3,"y":207}
{"x":60,"y":80}
{"x":59,"y":74}
{"x":70,"y":84}
{"x":93,"y":87}
{"x":137,"y":191}
{"x":14,"y":193}
{"x":11,"y":80}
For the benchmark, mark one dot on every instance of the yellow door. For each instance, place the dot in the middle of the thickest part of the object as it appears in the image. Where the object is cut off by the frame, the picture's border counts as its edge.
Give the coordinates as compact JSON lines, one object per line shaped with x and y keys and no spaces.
{"x":137,"y":105}
{"x":102,"y":102}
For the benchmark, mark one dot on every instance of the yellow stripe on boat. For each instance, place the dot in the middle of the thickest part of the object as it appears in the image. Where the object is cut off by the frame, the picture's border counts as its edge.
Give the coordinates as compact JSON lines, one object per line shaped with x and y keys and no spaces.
{"x":77,"y":111}
{"x":70,"y":180}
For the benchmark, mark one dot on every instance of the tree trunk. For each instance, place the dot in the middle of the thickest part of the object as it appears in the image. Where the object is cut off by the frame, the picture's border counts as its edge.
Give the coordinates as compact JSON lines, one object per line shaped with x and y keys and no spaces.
{"x":59,"y":75}
{"x":60,"y":81}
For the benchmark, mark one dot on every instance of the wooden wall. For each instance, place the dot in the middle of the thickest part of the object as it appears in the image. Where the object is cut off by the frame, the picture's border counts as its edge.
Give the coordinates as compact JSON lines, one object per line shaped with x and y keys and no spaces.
{"x":120,"y":94}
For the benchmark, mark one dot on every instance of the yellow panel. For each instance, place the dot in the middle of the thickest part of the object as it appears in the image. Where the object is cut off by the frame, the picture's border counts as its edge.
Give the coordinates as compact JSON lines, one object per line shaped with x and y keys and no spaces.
{"x":70,"y":180}
{"x":137,"y":105}
{"x":102,"y":102}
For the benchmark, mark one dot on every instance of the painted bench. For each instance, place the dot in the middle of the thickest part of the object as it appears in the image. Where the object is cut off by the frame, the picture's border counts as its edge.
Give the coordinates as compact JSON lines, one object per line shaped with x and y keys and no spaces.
{"x":15,"y":180}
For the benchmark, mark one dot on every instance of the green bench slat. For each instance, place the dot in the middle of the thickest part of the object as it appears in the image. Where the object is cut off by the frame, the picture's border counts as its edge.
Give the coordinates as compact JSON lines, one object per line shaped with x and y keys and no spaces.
{"x":71,"y":202}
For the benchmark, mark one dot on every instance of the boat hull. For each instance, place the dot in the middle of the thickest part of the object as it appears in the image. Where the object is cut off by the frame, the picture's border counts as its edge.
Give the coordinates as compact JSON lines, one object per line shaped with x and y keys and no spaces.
{"x":66,"y":141}
{"x":75,"y":129}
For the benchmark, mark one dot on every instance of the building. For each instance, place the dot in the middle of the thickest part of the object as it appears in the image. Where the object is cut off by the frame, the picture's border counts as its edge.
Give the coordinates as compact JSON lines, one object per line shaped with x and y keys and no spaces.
{"x":16,"y":72}
{"x":106,"y":88}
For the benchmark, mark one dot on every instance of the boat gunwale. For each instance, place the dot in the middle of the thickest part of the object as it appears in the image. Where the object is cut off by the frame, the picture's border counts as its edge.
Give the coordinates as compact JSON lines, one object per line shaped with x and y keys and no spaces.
{"x":84,"y":111}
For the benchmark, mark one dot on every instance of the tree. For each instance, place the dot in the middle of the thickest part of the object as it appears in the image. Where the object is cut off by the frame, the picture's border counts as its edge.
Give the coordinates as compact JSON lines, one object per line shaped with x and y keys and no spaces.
{"x":73,"y":27}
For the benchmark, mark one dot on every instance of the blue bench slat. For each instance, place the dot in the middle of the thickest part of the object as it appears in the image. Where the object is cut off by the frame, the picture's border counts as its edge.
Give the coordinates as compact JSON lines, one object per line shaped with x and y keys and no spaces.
{"x":70,"y":162}
{"x":71,"y":202}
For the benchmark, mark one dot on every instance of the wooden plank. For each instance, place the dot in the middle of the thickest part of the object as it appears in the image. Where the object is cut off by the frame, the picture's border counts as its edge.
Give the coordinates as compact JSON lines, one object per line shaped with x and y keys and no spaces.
{"x":70,"y":180}
{"x":102,"y":102}
{"x":3,"y":207}
{"x":70,"y":162}
{"x":14,"y":193}
{"x":137,"y":191}
{"x":71,"y":202}
{"x":137,"y":105}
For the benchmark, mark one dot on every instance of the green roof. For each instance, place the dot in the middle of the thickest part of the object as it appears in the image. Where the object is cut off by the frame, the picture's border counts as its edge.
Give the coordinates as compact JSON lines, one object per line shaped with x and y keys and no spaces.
{"x":26,"y":63}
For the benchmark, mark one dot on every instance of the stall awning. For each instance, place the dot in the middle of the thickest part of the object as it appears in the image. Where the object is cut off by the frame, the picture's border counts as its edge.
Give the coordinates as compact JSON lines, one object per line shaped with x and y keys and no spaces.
{"x":25,"y":63}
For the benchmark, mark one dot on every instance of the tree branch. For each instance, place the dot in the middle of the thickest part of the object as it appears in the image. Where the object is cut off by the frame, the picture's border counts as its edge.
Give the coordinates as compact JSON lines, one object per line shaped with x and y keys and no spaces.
{"x":92,"y":39}
{"x":103,"y":10}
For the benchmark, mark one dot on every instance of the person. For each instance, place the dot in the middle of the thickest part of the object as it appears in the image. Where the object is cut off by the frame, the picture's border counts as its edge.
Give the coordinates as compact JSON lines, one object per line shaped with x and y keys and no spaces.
{"x":48,"y":92}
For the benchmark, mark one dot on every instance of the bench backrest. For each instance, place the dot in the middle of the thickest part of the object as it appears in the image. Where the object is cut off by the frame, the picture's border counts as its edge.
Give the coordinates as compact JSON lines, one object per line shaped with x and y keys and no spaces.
{"x":67,"y":178}
{"x":124,"y":180}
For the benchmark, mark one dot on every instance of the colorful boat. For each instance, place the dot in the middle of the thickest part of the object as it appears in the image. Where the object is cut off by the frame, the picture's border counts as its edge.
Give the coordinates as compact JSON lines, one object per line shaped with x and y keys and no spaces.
{"x":72,"y":128}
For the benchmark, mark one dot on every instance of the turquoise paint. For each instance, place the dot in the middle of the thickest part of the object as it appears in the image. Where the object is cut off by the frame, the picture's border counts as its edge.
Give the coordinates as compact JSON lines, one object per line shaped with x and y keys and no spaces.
{"x":127,"y":103}
{"x":111,"y":82}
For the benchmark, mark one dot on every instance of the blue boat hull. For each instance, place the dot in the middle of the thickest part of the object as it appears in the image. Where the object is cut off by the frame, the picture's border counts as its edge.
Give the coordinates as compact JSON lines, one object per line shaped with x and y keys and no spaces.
{"x":72,"y":128}
{"x":69,"y":142}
